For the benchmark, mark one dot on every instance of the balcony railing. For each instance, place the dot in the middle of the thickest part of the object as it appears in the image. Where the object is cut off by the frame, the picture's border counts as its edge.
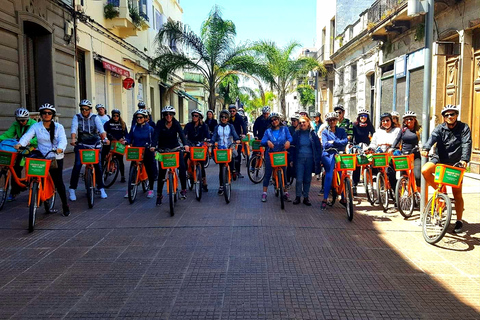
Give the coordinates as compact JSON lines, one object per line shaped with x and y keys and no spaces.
{"x":381,"y":9}
{"x":115,"y":3}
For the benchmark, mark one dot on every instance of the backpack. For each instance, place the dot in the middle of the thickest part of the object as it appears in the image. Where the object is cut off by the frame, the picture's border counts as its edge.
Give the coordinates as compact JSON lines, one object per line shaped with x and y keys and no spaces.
{"x":8,"y":145}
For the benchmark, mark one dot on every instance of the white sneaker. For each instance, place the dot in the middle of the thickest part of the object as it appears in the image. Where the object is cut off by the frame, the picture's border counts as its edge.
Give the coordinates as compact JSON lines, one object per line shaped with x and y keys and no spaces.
{"x":126,"y":195}
{"x":103,"y":194}
{"x":72,"y":197}
{"x":150,"y":194}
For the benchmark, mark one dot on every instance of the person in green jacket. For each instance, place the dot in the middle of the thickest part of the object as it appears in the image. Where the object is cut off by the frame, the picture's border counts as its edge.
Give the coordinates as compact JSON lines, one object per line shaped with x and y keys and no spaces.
{"x":16,"y":131}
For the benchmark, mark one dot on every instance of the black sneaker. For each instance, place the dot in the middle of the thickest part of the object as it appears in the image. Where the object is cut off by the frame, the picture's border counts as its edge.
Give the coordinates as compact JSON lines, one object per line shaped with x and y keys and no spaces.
{"x":220,"y":191}
{"x":458,"y":226}
{"x":204,"y":188}
{"x":66,"y":210}
{"x":159,"y":200}
{"x":122,"y":180}
{"x":355,"y":191}
{"x":297,"y":200}
{"x":307,"y":202}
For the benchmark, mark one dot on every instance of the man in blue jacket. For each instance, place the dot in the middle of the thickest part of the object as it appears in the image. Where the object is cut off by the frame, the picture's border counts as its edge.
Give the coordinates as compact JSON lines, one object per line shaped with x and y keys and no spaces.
{"x":241,"y":130}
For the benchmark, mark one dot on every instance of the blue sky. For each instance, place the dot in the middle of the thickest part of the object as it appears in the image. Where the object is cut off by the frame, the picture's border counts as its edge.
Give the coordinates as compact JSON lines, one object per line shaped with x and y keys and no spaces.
{"x":280,"y":21}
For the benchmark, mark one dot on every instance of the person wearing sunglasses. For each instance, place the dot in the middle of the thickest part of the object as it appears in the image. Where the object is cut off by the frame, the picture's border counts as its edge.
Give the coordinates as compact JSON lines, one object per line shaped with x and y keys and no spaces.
{"x":454,"y":144}
{"x":306,"y":159}
{"x":211,"y":121}
{"x":50,"y":136}
{"x":276,"y":138}
{"x":344,"y":122}
{"x":408,"y":140}
{"x":197,"y":132}
{"x":18,"y":128}
{"x":116,"y":130}
{"x":224,"y":134}
{"x":167,"y":133}
{"x":363,"y":131}
{"x":142,"y":106}
{"x":241,"y":129}
{"x":87,"y":129}
{"x":261,"y":123}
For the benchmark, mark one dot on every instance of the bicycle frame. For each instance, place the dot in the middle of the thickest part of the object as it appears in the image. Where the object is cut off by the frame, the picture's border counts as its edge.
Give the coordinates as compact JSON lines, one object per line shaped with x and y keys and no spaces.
{"x":175,"y":180}
{"x":41,"y":189}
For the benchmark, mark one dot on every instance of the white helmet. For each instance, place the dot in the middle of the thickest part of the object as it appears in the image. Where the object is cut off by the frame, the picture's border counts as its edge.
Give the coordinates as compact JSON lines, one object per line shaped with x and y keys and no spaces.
{"x":275,"y":115}
{"x":197,"y":111}
{"x":22,"y":113}
{"x":266,"y":109}
{"x":395,"y":114}
{"x":450,"y":107}
{"x":98,"y":106}
{"x":168,"y":109}
{"x":142,"y":112}
{"x":409,"y":114}
{"x":363,"y":111}
{"x":86,"y":103}
{"x":331,"y":115}
{"x":47,"y":106}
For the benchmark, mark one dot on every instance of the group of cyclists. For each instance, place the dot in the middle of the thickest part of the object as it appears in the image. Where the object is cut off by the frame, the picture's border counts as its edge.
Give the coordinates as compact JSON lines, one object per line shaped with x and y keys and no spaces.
{"x":315,"y":144}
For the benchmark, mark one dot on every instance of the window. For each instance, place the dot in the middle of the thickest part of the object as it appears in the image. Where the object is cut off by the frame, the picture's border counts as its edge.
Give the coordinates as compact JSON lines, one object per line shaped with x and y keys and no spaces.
{"x":353,"y":72}
{"x":158,"y":20}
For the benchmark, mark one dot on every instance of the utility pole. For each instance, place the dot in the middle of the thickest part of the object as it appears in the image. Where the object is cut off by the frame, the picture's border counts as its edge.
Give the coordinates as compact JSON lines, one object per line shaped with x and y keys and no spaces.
{"x":427,"y":87}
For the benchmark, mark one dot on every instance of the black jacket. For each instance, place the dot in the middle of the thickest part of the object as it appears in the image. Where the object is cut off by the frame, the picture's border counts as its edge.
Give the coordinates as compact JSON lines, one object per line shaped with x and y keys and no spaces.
{"x":260,"y":126}
{"x":452,"y":145}
{"x":168,"y":138}
{"x":211,"y":123}
{"x":316,"y":148}
{"x":239,"y":125}
{"x":196,"y":134}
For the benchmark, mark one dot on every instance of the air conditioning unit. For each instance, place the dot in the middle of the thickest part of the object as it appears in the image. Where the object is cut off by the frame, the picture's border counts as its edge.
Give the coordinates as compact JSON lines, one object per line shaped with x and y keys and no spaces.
{"x":78,"y":8}
{"x":446,"y":48}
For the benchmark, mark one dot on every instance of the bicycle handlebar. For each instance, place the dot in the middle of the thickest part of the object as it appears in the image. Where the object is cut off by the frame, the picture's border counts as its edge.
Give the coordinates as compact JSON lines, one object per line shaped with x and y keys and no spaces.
{"x":179,"y":148}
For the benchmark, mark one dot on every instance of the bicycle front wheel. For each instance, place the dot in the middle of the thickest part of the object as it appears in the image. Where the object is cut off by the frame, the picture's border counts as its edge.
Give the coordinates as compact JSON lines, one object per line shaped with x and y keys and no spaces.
{"x":207,"y":160}
{"x":33,"y":206}
{"x":256,"y":172}
{"x":171,"y":194}
{"x":89,"y":187}
{"x":132,"y":184}
{"x":281,"y":189}
{"x":50,"y":203}
{"x":348,"y":196}
{"x":227,"y":186}
{"x":110,"y":172}
{"x":436,"y":218}
{"x":404,"y":197}
{"x":369,"y":187}
{"x":4,"y":188}
{"x":382,"y":191}
{"x":198,"y":182}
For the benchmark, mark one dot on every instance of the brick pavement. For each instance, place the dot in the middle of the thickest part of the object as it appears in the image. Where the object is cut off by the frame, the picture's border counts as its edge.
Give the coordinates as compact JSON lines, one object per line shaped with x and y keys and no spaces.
{"x":245,"y":260}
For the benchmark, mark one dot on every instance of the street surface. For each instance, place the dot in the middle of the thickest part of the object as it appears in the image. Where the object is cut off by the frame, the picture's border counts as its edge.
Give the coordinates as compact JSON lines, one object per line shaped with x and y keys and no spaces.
{"x":244,"y":260}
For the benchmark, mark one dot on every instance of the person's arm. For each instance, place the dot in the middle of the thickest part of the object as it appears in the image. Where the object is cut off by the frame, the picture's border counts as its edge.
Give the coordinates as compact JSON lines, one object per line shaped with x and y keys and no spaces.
{"x":61,"y":138}
{"x":373,"y":142}
{"x":9,"y":134}
{"x":342,"y":139}
{"x":434,"y":138}
{"x":255,"y":128}
{"x":73,"y":130}
{"x":129,"y":137}
{"x":215,"y":135}
{"x":466,"y":144}
{"x":181,"y":134}
{"x":185,"y":130}
{"x":265,"y":140}
{"x":25,"y":139}
{"x":325,"y":142}
{"x":398,"y":139}
{"x":99,"y":125}
{"x":234,"y":133}
{"x":206,"y":132}
{"x":244,"y":127}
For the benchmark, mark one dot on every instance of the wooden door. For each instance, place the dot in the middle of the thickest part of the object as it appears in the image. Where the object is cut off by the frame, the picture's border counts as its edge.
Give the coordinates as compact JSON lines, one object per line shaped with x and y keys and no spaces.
{"x":476,"y":114}
{"x":451,"y":76}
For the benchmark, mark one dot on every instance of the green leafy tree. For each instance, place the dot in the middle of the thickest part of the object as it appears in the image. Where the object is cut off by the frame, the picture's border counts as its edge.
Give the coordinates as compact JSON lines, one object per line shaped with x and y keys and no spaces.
{"x":255,"y":101}
{"x":307,"y":95}
{"x":213,"y":53}
{"x":279,"y":70}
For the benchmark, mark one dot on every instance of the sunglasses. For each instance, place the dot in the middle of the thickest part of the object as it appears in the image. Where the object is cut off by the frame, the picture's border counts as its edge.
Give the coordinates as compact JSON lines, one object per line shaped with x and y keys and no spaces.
{"x":46,"y":113}
{"x":386,"y":120}
{"x":116,"y":115}
{"x":140,"y":118}
{"x":274,"y":120}
{"x":85,"y":109}
{"x":303,"y":122}
{"x":338,"y":112}
{"x":363,"y":116}
{"x":447,"y":115}
{"x":223,"y":117}
{"x":195,"y":116}
{"x":408,"y":119}
{"x":169,"y":114}
{"x":22,"y":120}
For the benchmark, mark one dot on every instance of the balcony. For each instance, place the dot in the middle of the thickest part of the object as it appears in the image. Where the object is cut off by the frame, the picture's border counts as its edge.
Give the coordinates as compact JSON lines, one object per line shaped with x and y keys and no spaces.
{"x":387,"y":16}
{"x":132,"y":17}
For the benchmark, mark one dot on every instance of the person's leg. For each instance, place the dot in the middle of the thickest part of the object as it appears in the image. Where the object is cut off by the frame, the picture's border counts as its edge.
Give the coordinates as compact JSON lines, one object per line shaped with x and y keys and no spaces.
{"x":392,"y":175}
{"x":459,"y":204}
{"x":57,"y":178}
{"x":328,"y":163}
{"x":18,"y":170}
{"x":428,"y":171}
{"x":148,"y":162}
{"x":121,"y":164}
{"x":300,"y":169}
{"x":161,"y":177}
{"x":417,"y":170}
{"x":98,"y":175}
{"x":182,"y":173}
{"x":356,"y":175}
{"x":103,"y":154}
{"x":238,"y":160}
{"x":307,"y":178}
{"x":76,"y":169}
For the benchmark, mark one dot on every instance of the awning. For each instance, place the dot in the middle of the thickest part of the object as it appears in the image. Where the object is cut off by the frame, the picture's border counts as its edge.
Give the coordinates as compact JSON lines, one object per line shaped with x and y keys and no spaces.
{"x":115,"y":67}
{"x":186,"y":95}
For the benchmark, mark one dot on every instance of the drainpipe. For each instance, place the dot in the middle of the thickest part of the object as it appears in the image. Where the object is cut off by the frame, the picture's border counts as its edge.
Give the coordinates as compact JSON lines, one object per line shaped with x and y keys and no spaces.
{"x":461,"y":35}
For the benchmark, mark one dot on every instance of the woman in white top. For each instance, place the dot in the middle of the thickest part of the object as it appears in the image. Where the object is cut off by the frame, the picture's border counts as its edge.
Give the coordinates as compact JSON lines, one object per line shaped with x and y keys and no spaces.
{"x":50,"y":136}
{"x":383,"y":139}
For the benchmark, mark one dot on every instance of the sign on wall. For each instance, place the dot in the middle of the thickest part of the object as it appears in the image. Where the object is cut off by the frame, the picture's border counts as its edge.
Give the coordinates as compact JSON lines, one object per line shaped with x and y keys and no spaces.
{"x":128,"y":83}
{"x":400,"y":66}
{"x":416,"y":59}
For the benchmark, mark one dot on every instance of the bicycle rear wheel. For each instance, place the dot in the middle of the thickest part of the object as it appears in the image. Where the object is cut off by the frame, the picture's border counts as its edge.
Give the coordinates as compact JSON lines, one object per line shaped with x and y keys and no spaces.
{"x":227,"y":186}
{"x":404,"y":197}
{"x":132,"y":184}
{"x":436,"y":218}
{"x":33,"y":206}
{"x":382,"y":191}
{"x":198,"y":182}
{"x":369,"y":187}
{"x":50,"y":203}
{"x":110,"y":172}
{"x":281,"y":190}
{"x":256,"y":172}
{"x":348,"y":196}
{"x":171,"y":194}
{"x":89,"y":187}
{"x":4,"y":188}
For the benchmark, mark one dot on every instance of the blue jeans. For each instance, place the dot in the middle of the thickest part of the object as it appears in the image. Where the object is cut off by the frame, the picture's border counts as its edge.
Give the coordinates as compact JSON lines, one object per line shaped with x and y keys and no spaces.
{"x":304,"y":168}
{"x":78,"y":166}
{"x":328,"y":161}
{"x":269,"y":170}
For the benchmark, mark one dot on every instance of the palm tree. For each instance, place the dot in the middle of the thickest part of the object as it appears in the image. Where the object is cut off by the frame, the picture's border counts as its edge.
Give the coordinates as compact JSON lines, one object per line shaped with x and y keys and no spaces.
{"x":213,"y":53}
{"x":281,"y":69}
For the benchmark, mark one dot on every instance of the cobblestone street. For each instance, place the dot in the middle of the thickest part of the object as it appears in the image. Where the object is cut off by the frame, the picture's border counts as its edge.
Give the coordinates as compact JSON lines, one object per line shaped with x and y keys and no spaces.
{"x":244,"y":260}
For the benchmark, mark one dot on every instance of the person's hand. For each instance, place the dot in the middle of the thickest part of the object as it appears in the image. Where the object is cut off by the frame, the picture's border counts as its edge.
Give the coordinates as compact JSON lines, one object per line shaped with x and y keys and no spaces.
{"x":124,"y":142}
{"x":270,"y":144}
{"x":17,"y":146}
{"x":152,"y":149}
{"x":291,"y":164}
{"x":463,"y":163}
{"x":287,"y":145}
{"x":59,"y":151}
{"x":242,"y":136}
{"x":424,"y":153}
{"x":73,"y":142}
{"x":106,"y":141}
{"x":237,"y":141}
{"x":187,"y":148}
{"x":331,"y":141}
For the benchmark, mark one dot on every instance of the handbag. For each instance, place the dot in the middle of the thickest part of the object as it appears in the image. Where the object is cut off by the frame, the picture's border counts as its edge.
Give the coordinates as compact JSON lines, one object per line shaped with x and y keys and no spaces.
{"x":54,"y":164}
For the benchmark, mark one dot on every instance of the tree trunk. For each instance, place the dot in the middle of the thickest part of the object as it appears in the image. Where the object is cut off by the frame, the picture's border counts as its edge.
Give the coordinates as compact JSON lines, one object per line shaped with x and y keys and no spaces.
{"x":211,"y":97}
{"x":283,"y":104}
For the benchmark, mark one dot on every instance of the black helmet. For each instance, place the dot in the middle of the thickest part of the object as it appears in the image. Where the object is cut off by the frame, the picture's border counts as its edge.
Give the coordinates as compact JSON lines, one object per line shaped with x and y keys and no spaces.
{"x":385,"y":115}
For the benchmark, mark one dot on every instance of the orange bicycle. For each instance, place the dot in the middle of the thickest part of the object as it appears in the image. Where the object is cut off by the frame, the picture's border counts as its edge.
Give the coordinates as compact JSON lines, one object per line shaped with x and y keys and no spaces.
{"x":278,"y":161}
{"x":111,"y":165}
{"x":223,"y":157}
{"x":197,"y":156}
{"x":7,"y":173}
{"x":138,"y":173}
{"x":407,"y":193}
{"x":256,"y":164}
{"x":89,"y":157}
{"x":438,"y":211}
{"x":246,"y":149}
{"x":381,"y":162}
{"x":342,"y":183}
{"x":170,"y":160}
